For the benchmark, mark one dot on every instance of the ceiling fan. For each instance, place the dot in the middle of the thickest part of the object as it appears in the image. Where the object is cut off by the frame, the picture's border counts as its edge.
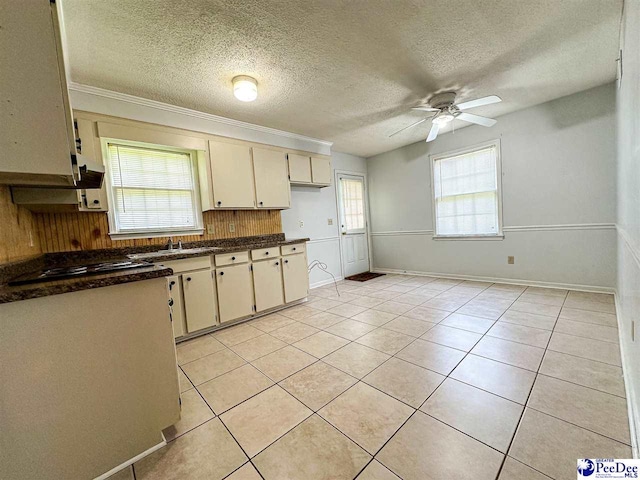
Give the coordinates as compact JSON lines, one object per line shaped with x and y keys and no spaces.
{"x":446,"y":110}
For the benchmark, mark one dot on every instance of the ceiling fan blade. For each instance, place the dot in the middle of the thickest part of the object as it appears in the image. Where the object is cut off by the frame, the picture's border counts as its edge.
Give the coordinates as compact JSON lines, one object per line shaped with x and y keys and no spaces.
{"x":433,"y":133}
{"x":408,"y":126}
{"x":479,"y":102}
{"x":477,"y":119}
{"x":426,"y":108}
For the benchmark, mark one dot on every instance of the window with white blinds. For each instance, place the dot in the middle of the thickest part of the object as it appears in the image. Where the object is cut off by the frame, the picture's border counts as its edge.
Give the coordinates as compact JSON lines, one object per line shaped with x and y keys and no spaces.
{"x":153,"y":191}
{"x":467,"y":192}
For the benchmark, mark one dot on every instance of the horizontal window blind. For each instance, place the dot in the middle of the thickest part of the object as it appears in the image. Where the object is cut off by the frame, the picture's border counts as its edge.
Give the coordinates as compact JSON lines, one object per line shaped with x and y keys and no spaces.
{"x":152,"y":190}
{"x":466,"y":193}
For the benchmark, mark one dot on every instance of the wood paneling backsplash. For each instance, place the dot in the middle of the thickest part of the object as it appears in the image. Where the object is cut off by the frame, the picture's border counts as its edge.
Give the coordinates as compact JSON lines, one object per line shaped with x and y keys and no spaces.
{"x":18,"y":232}
{"x":89,"y":231}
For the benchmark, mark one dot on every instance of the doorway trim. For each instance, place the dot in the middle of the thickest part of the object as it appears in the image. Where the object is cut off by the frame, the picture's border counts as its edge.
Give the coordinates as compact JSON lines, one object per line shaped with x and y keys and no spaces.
{"x":367,"y":217}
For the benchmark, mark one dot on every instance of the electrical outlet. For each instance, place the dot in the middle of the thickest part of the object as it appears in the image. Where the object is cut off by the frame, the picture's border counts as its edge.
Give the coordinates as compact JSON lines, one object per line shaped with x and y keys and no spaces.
{"x":301,"y":223}
{"x":511,"y":260}
{"x":211,"y":229}
{"x":232,"y":227}
{"x":329,"y":221}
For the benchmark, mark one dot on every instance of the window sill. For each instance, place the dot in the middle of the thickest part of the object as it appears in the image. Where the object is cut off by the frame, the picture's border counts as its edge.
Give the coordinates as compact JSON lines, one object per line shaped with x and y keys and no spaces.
{"x":165,"y":234}
{"x":468,"y":237}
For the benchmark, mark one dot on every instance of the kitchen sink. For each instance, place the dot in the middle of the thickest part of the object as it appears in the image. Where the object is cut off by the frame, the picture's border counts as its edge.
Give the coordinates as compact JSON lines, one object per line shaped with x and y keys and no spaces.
{"x":174,"y":251}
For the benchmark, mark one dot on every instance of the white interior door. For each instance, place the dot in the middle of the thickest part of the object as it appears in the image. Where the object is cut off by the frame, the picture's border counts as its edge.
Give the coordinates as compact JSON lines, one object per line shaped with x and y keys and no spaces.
{"x":354,"y":243}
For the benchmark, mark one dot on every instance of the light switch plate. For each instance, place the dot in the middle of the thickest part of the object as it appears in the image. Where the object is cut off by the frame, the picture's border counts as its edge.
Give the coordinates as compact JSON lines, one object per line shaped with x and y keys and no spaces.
{"x":211,"y":229}
{"x":301,"y":223}
{"x":511,"y":260}
{"x":329,"y":221}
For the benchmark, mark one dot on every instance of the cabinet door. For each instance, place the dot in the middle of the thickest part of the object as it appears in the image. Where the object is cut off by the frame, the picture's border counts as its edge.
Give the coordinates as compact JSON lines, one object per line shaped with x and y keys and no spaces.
{"x":232,"y":175}
{"x":199,"y":300}
{"x":177,"y":306}
{"x":295,"y":276}
{"x":321,"y":170}
{"x":235,"y":292}
{"x":267,"y":283}
{"x":299,"y":168}
{"x":272,"y":180}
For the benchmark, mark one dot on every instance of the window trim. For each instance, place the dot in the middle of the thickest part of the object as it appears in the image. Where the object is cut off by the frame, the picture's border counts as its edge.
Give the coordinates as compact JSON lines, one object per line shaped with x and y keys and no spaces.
{"x":499,"y":235}
{"x":114,"y":232}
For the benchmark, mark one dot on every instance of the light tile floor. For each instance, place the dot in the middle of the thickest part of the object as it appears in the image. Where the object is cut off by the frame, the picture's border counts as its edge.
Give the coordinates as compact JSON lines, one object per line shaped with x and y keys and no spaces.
{"x":403,"y":377}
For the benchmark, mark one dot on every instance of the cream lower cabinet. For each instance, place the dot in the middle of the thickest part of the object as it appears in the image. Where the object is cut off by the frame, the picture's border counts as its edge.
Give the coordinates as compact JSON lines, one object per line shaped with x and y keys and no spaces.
{"x":176,"y":303}
{"x":295,"y":276}
{"x":199,"y":300}
{"x":267,"y":283}
{"x":235,"y":291}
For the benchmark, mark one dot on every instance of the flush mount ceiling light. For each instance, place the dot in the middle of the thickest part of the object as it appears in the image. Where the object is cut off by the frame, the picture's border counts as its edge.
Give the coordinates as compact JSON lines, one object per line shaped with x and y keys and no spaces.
{"x":245,"y":88}
{"x":442,"y":118}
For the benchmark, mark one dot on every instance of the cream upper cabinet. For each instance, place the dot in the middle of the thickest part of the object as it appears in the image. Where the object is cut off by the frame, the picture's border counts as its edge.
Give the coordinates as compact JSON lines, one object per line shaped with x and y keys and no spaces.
{"x":267,"y":282}
{"x":321,"y":170}
{"x":199,"y":300}
{"x":299,"y":168}
{"x":295,"y":276}
{"x":232,"y":176}
{"x":272,"y":181}
{"x":235,"y":292}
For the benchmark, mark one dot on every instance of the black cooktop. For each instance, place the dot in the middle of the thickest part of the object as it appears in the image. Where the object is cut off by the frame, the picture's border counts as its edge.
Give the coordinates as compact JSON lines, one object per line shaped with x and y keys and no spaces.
{"x":62,"y":273}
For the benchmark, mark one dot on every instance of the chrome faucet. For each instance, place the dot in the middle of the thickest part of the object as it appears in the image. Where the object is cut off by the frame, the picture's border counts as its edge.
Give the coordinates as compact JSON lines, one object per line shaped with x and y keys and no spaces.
{"x":170,"y":244}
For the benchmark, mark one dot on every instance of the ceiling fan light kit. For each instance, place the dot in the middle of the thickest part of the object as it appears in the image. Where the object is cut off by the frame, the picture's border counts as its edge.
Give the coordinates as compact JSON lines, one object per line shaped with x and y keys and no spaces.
{"x":446,"y":110}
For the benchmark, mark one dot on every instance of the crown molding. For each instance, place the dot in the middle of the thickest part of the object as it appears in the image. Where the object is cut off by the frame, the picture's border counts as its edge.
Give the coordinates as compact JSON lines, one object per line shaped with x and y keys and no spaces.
{"x":132,"y":99}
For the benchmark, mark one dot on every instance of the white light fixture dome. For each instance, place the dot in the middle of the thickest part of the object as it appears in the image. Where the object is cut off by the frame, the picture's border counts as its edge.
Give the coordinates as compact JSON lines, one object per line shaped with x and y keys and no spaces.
{"x":245,"y":88}
{"x":443,"y":118}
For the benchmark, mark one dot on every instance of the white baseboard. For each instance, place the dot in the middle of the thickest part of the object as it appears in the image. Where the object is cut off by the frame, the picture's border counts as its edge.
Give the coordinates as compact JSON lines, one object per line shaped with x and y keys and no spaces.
{"x":322,"y":283}
{"x":514,"y":281}
{"x":632,"y":398}
{"x":133,"y":460}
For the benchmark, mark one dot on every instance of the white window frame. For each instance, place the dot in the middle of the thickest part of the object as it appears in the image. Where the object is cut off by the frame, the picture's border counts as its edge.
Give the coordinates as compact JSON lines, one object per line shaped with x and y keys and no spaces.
{"x":114,"y":231}
{"x":499,"y":235}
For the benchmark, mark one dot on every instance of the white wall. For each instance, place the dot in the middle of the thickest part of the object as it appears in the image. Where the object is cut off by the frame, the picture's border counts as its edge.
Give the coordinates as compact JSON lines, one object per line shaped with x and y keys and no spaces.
{"x":314,"y":207}
{"x":559,"y":201}
{"x":629,"y":207}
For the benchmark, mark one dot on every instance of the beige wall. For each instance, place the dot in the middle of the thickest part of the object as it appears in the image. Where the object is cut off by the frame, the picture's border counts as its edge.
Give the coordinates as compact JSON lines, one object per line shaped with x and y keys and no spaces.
{"x":629,"y":208}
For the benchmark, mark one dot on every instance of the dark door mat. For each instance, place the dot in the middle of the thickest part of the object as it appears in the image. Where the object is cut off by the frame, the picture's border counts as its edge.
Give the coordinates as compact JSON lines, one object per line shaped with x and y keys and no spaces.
{"x":363,"y":277}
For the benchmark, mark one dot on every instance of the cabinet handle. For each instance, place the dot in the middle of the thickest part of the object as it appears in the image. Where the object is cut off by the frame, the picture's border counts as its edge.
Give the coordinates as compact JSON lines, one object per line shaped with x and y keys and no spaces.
{"x":286,"y":261}
{"x":221,"y":273}
{"x":233,"y":258}
{"x":261,"y":203}
{"x":277,"y":263}
{"x":171,"y":302}
{"x":172,"y":283}
{"x":219,"y":203}
{"x":266,"y":253}
{"x":188,"y":279}
{"x":96,"y":202}
{"x":294,"y":249}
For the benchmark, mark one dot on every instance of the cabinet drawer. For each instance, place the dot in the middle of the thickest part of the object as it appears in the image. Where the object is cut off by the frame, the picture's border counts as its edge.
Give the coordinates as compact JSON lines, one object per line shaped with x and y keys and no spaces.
{"x":188,"y":264}
{"x":263,"y":253}
{"x":291,"y":249}
{"x":231,"y":258}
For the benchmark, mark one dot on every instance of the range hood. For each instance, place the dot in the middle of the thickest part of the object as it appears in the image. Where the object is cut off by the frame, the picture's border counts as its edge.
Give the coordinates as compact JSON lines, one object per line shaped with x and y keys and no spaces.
{"x":90,"y":174}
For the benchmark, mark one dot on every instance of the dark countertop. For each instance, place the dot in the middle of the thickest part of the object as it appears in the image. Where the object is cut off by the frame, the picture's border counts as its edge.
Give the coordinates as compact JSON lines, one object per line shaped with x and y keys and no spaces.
{"x":9,"y":271}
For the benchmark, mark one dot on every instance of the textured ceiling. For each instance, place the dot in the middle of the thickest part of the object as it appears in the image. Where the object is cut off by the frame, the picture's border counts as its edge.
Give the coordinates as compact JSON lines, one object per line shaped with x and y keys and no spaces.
{"x":340,"y":70}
